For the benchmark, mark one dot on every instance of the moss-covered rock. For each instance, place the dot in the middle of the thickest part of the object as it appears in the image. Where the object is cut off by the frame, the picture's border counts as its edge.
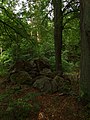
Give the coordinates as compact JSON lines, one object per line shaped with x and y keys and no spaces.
{"x":60,"y":85}
{"x":21,"y":77}
{"x":43,"y":84}
{"x":46,"y":72}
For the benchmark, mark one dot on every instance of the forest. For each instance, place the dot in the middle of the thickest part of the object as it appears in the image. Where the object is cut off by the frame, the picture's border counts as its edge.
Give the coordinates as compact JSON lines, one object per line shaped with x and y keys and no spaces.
{"x":44,"y":60}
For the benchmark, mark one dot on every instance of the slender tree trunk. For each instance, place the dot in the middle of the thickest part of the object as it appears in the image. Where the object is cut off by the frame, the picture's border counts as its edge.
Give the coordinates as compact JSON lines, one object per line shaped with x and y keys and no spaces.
{"x":85,"y":49}
{"x":58,"y":18}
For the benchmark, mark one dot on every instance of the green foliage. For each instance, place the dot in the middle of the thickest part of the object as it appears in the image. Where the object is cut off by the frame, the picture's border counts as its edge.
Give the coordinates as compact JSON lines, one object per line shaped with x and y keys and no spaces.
{"x":52,"y":62}
{"x":28,"y":33}
{"x":67,"y":66}
{"x":71,"y":40}
{"x":18,"y":109}
{"x":5,"y":62}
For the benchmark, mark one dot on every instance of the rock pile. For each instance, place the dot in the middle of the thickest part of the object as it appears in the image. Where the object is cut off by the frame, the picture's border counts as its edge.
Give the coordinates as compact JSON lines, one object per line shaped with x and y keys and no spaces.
{"x":37,"y":73}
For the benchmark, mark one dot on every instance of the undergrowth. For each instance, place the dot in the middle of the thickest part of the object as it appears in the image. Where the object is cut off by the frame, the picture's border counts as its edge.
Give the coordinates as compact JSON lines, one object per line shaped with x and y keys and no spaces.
{"x":18,"y":109}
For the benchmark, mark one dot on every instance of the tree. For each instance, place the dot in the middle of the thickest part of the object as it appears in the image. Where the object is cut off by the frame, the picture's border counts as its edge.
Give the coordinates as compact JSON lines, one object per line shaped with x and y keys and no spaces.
{"x":85,"y":49}
{"x":58,"y":19}
{"x":61,"y":11}
{"x":29,"y":31}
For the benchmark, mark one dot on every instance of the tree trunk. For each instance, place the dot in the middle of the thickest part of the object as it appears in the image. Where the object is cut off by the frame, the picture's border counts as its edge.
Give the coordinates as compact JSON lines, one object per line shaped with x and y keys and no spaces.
{"x":58,"y":18}
{"x":85,"y":49}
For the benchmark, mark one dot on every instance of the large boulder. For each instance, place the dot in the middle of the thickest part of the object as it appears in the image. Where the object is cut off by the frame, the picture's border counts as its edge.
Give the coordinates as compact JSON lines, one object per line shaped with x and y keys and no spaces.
{"x":43,"y":83}
{"x":61,"y":85}
{"x":21,"y":77}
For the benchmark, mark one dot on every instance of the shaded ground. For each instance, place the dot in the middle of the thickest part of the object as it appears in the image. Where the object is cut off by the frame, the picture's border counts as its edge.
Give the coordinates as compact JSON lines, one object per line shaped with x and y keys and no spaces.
{"x":57,"y":106}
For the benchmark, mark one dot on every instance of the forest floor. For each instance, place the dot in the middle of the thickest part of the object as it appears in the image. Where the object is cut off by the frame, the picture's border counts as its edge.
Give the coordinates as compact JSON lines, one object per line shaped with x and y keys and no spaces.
{"x":57,"y":106}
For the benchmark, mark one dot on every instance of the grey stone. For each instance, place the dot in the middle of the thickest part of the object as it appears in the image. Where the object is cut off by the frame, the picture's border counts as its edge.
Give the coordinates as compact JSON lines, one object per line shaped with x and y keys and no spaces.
{"x":43,"y":84}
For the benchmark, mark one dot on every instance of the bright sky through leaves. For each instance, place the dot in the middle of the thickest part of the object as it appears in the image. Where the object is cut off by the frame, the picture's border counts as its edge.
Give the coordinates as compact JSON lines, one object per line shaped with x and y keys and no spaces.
{"x":19,"y":5}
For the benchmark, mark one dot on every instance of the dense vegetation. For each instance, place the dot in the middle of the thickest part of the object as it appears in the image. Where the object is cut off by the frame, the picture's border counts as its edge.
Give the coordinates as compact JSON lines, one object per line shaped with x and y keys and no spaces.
{"x":35,"y":36}
{"x":28,"y":33}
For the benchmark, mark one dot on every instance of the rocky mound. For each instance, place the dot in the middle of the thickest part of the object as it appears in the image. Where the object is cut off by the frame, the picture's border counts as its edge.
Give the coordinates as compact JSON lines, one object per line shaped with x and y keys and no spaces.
{"x":37,"y":73}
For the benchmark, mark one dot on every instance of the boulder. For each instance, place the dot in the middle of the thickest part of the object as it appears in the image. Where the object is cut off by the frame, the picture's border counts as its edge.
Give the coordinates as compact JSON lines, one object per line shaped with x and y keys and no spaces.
{"x":41,"y":63}
{"x":54,"y":86}
{"x":46,"y":72}
{"x":17,"y":66}
{"x":22,"y":65}
{"x":28,"y":65}
{"x":43,"y":84}
{"x":60,"y":85}
{"x":21,"y":77}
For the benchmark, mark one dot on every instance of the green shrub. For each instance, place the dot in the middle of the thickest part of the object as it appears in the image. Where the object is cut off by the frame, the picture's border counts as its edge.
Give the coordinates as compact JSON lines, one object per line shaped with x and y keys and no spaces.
{"x":67,"y":66}
{"x":18,"y":109}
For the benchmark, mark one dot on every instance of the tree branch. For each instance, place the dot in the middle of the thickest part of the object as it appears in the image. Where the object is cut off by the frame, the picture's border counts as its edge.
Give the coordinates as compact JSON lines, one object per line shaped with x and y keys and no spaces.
{"x":67,"y":6}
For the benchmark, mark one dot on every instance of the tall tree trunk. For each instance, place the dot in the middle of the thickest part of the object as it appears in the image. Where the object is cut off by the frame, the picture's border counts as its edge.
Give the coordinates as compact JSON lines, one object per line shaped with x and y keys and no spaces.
{"x":58,"y":18}
{"x":85,"y":49}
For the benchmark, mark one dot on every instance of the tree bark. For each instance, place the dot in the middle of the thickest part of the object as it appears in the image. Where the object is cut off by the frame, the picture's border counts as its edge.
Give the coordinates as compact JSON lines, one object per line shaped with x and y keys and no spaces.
{"x":85,"y":49}
{"x":58,"y":19}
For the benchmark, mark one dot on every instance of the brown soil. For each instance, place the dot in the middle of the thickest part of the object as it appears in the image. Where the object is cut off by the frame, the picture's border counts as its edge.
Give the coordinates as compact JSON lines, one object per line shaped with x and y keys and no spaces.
{"x":57,"y":106}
